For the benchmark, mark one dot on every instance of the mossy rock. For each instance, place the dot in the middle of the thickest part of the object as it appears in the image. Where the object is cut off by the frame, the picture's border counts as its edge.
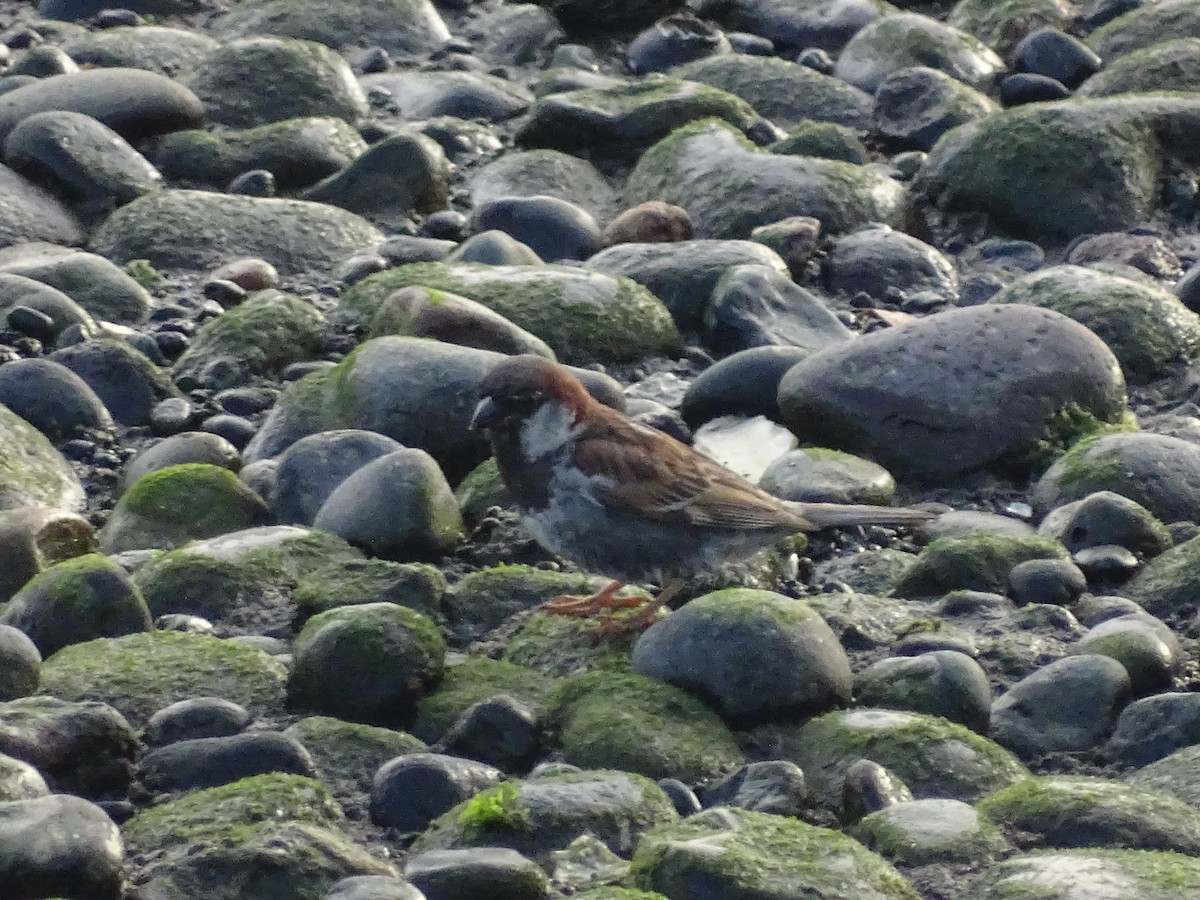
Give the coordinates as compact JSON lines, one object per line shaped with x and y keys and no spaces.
{"x":349,"y":753}
{"x":405,"y":26}
{"x":739,"y":853}
{"x":919,"y":832}
{"x":627,"y":118}
{"x":1054,"y":171}
{"x":178,"y":504}
{"x":353,"y":582}
{"x":258,"y":337}
{"x":1169,"y":583}
{"x":1002,"y":23}
{"x":730,"y":187}
{"x":1078,"y":811}
{"x":224,"y":843}
{"x":1169,"y":66}
{"x":979,"y":561}
{"x":562,"y":645}
{"x":1146,"y":326}
{"x":473,"y":681}
{"x":198,"y":231}
{"x":482,"y":489}
{"x":141,"y":673}
{"x":1145,"y":26}
{"x":32,"y":472}
{"x":168,"y":51}
{"x":1062,"y":874}
{"x":540,"y":815}
{"x":585,"y":317}
{"x":99,"y":287}
{"x":368,"y":663}
{"x":826,"y":140}
{"x":637,"y":724}
{"x":551,"y":173}
{"x":253,"y":81}
{"x":618,"y":893}
{"x":75,"y":601}
{"x":298,"y":152}
{"x":785,"y":92}
{"x":934,"y":757}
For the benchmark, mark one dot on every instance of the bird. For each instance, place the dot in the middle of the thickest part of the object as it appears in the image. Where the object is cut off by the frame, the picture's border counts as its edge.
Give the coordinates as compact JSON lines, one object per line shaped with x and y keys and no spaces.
{"x":628,"y":501}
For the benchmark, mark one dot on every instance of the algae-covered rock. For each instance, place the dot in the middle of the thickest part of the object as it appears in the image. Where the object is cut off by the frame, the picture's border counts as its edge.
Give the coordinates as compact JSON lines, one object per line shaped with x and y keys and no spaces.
{"x":178,"y":504}
{"x":739,"y":853}
{"x":77,"y":600}
{"x":1002,"y":23}
{"x":610,"y":720}
{"x":253,"y":81}
{"x":141,"y":673}
{"x":1169,"y":66}
{"x":562,"y":645}
{"x":473,"y":681}
{"x":349,"y":753}
{"x":627,"y":118}
{"x":729,"y":187}
{"x":1078,"y":811}
{"x":197,"y":230}
{"x":934,"y":757}
{"x":1068,"y":874}
{"x":1054,"y":171}
{"x":258,"y":337}
{"x":1146,"y":326}
{"x":979,"y":561}
{"x":1146,"y":25}
{"x":1169,"y":583}
{"x":585,"y":317}
{"x":32,"y":472}
{"x":917,"y":832}
{"x":225,"y":842}
{"x":540,"y":815}
{"x":354,"y":582}
{"x":368,"y":663}
{"x":99,"y":288}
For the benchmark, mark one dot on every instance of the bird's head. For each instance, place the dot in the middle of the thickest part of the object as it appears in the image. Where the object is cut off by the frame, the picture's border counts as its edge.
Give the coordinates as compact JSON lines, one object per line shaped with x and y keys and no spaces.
{"x":532,"y":396}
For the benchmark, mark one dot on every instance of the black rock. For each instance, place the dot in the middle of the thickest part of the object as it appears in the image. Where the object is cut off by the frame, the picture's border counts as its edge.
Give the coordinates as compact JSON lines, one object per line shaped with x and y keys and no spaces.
{"x":1050,"y":52}
{"x":199,"y":717}
{"x":208,"y":762}
{"x":411,"y":791}
{"x":1022,"y":88}
{"x":502,"y":732}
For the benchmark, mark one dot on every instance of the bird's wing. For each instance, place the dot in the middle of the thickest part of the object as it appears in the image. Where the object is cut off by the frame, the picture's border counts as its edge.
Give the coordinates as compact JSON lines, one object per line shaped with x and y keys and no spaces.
{"x":651,"y":474}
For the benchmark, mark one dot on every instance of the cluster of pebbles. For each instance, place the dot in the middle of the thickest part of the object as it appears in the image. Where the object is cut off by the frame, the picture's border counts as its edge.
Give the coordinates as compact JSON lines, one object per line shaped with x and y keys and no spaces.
{"x":269,"y":626}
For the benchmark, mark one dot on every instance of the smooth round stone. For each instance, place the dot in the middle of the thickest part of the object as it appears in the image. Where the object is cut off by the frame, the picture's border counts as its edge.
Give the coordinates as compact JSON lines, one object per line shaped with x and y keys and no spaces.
{"x":1145,"y":252}
{"x":208,"y":762}
{"x":20,"y":664}
{"x":411,"y":791}
{"x":313,"y":467}
{"x":1187,"y":289}
{"x":1050,"y":52}
{"x":255,"y":183}
{"x":63,"y":312}
{"x":248,"y":401}
{"x":96,"y":284}
{"x":868,"y":787}
{"x":59,"y":845}
{"x":554,"y":229}
{"x":1057,"y":581}
{"x":439,"y":315}
{"x":1155,"y":727}
{"x":550,"y":173}
{"x":756,"y":305}
{"x":32,"y":322}
{"x":402,"y":249}
{"x":795,"y":239}
{"x":494,"y":872}
{"x":172,"y":415}
{"x":1022,"y":88}
{"x":125,"y":40}
{"x":397,"y":507}
{"x":418,"y":95}
{"x":1069,"y":705}
{"x":743,"y":383}
{"x":134,"y":103}
{"x":448,"y":224}
{"x":199,"y":717}
{"x":647,"y":223}
{"x":1106,"y":518}
{"x":795,"y":27}
{"x":366,"y":663}
{"x":915,"y":106}
{"x":757,"y":655}
{"x":89,"y":162}
{"x":825,"y":140}
{"x":42,"y":62}
{"x":502,"y":732}
{"x":682,"y":797}
{"x":127,"y":382}
{"x":494,"y":248}
{"x":773,"y":786}
{"x":36,"y":536}
{"x":237,"y":430}
{"x":827,"y":476}
{"x":673,"y":41}
{"x":51,"y":397}
{"x":249,"y":273}
{"x":943,"y":683}
{"x":20,"y":781}
{"x":880,"y":261}
{"x":1145,"y":646}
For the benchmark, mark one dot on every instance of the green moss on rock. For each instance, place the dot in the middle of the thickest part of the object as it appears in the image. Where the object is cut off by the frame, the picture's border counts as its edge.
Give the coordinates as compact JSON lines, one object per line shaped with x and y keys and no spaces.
{"x":471,"y":682}
{"x":418,"y":586}
{"x":32,"y":472}
{"x":979,"y":561}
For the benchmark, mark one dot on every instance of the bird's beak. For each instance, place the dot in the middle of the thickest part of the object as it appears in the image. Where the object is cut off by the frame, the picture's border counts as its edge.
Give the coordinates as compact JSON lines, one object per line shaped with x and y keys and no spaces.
{"x":486,"y":414}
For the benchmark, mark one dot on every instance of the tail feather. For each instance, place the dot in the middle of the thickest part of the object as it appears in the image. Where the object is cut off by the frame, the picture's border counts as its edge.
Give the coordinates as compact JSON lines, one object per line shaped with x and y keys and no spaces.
{"x":827,"y":515}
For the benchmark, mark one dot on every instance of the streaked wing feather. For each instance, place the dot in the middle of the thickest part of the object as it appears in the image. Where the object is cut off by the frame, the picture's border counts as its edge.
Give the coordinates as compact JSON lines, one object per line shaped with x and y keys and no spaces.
{"x":648,"y":473}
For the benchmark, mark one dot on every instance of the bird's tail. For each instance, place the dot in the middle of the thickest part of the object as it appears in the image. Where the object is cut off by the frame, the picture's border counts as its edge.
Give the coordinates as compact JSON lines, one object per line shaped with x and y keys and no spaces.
{"x":827,"y":515}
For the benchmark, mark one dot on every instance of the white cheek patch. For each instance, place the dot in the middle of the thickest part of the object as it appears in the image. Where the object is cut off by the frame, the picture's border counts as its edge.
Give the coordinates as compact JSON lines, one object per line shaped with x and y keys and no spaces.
{"x":547,"y":430}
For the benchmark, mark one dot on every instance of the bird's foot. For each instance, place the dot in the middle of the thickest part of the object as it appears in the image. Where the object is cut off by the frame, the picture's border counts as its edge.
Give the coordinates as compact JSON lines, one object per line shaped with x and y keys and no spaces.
{"x":604,"y":600}
{"x":612,"y":625}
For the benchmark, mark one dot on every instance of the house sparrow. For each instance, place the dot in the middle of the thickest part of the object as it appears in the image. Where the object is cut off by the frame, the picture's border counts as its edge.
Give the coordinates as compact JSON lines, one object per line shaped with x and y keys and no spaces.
{"x":628,"y":501}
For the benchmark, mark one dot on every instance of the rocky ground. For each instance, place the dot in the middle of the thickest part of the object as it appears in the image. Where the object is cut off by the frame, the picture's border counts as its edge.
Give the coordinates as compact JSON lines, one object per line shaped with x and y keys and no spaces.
{"x":269,"y":626}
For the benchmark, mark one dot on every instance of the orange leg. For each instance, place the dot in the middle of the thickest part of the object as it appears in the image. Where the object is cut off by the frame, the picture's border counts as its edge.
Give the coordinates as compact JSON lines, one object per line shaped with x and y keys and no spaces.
{"x":603,"y":600}
{"x":611,"y":625}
